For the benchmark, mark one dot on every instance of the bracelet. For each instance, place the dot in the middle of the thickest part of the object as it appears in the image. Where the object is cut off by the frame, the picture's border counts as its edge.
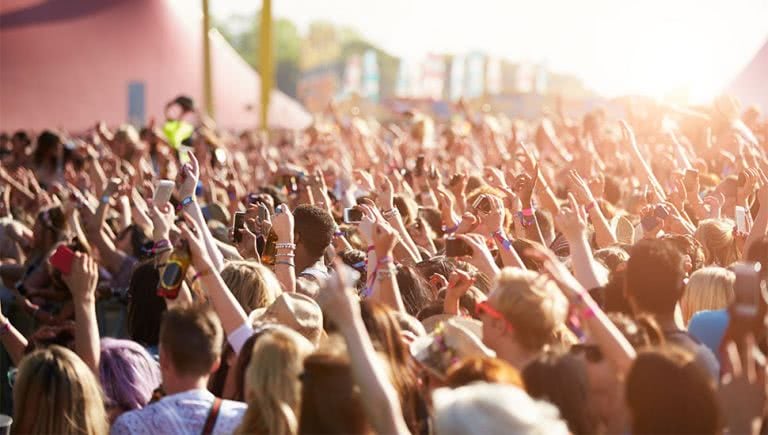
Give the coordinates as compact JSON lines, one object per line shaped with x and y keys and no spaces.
{"x":285,"y":263}
{"x":285,"y":255}
{"x":6,"y":327}
{"x":338,"y":234}
{"x":385,"y":260}
{"x":202,"y":273}
{"x":291,"y":246}
{"x":392,"y":212}
{"x":385,"y":273}
{"x":185,"y":202}
{"x":528,"y":211}
{"x":105,"y":199}
{"x":502,"y":239}
{"x":525,"y":220}
{"x":449,"y":230}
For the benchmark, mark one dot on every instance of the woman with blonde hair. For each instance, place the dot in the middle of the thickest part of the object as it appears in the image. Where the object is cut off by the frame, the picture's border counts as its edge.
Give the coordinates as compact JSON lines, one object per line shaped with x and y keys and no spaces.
{"x":710,"y":288}
{"x":272,"y":384}
{"x":719,"y":242}
{"x":252,"y":284}
{"x":55,"y":392}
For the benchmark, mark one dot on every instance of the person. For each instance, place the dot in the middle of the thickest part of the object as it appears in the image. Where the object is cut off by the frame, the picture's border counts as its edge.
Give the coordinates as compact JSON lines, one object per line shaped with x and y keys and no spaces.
{"x":482,"y":369}
{"x":560,"y":378}
{"x":668,"y":392}
{"x":55,"y":392}
{"x":128,"y":374}
{"x":720,"y":245}
{"x":493,"y":408}
{"x":252,"y":284}
{"x":314,"y":230}
{"x":710,"y":288}
{"x":654,"y":284}
{"x":272,"y":384}
{"x":521,"y":316}
{"x":190,"y":347}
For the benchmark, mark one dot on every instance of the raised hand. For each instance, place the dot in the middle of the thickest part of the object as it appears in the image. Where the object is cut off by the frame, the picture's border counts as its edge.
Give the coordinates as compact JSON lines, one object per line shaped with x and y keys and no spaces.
{"x":481,"y":257}
{"x":493,"y":220}
{"x":524,"y":186}
{"x":386,"y":200}
{"x":571,"y":221}
{"x":384,"y":240}
{"x":82,"y":278}
{"x":282,"y":224}
{"x":188,"y":177}
{"x":580,"y":189}
{"x":162,"y":221}
{"x":247,"y":244}
{"x":364,"y":179}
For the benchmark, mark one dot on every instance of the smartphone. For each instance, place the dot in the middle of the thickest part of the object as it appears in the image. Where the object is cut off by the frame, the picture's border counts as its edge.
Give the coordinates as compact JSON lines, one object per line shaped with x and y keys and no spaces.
{"x":289,"y":181}
{"x":746,"y":290}
{"x":690,"y":178}
{"x":173,"y":272}
{"x":482,"y":203}
{"x":184,"y":154}
{"x":419,"y":169}
{"x":163,"y":192}
{"x":263,"y":213}
{"x":239,"y":225}
{"x":649,"y":222}
{"x":457,"y":248}
{"x":221,"y":155}
{"x":741,"y":219}
{"x":62,"y":259}
{"x":352,"y":215}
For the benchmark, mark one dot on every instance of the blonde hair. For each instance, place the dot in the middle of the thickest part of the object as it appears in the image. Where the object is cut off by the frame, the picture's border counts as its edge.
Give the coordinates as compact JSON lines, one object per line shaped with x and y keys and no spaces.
{"x":532,"y":304}
{"x":55,"y":392}
{"x":709,"y":288}
{"x":252,"y":284}
{"x":716,"y":236}
{"x":273,"y":389}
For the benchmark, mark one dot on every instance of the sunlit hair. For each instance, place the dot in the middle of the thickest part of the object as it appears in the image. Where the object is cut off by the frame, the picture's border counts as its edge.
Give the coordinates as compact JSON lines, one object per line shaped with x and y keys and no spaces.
{"x":252,"y":284}
{"x":128,"y":374}
{"x":531,"y":303}
{"x":716,"y":236}
{"x":273,"y":389}
{"x":710,"y":288}
{"x":493,"y":408}
{"x":55,"y":392}
{"x":482,"y":369}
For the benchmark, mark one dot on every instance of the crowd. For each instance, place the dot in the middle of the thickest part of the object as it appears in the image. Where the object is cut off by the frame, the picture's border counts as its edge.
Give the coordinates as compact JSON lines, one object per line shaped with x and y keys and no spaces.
{"x":478,"y":275}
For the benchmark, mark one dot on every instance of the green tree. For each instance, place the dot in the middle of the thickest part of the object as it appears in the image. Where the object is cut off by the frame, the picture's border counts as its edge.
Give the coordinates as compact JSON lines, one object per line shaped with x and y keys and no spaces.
{"x":242,"y":32}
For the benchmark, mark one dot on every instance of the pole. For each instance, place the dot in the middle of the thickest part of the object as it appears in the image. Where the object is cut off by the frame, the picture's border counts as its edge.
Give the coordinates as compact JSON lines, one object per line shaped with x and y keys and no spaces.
{"x":207,"y":79}
{"x":265,"y":61}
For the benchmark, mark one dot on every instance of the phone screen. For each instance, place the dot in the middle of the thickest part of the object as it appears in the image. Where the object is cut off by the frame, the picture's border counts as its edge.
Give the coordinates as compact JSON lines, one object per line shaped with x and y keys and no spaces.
{"x":163,"y":192}
{"x":172,"y":275}
{"x":746,"y":289}
{"x":352,"y":215}
{"x":483,"y":204}
{"x":741,"y":219}
{"x":239,"y":225}
{"x":457,"y":248}
{"x":62,"y":259}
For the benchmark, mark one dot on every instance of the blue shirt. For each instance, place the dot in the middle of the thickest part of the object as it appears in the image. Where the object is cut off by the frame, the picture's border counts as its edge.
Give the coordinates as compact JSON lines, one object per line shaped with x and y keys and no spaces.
{"x":709,"y":328}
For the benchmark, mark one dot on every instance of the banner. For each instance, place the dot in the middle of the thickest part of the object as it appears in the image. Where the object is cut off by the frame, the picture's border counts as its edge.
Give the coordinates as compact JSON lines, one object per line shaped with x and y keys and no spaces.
{"x":371,"y":75}
{"x":458,"y":65}
{"x":433,"y":77}
{"x":475,"y":75}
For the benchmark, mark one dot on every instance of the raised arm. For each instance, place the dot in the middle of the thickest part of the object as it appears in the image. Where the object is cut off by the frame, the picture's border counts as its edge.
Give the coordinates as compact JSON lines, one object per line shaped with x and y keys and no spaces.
{"x":385,"y":289}
{"x":81,"y":282}
{"x":381,"y":404}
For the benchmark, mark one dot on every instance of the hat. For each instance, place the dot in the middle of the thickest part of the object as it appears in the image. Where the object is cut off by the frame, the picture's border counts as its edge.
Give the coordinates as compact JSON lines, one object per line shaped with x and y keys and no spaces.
{"x":296,"y":311}
{"x":622,"y":227}
{"x":450,"y":342}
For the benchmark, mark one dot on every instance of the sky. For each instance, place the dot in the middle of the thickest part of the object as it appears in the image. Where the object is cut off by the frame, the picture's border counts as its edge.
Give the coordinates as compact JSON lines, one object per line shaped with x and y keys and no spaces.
{"x":650,"y":47}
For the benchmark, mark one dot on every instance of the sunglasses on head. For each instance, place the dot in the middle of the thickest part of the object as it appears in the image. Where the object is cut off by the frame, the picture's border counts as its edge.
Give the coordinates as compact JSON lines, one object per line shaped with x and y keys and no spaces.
{"x":486,"y":308}
{"x":591,"y":352}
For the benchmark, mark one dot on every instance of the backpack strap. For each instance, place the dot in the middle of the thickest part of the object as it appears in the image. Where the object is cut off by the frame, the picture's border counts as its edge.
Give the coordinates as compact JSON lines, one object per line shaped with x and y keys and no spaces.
{"x":213,"y":415}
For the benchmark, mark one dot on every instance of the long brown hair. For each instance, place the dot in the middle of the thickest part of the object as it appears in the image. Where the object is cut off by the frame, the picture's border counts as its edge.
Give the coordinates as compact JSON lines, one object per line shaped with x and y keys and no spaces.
{"x":385,"y":333}
{"x":330,"y":401}
{"x":57,"y":393}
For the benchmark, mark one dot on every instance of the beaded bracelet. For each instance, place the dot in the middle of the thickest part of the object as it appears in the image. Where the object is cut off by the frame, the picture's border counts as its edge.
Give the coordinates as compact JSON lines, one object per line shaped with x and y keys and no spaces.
{"x":285,"y":263}
{"x":392,"y":212}
{"x":285,"y":255}
{"x":291,"y":246}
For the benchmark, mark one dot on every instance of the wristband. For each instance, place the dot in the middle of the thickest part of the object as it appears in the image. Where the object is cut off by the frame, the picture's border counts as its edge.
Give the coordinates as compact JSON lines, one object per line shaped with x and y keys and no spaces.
{"x":502,"y":239}
{"x":6,"y":327}
{"x":525,"y":221}
{"x":449,"y":230}
{"x":285,"y":263}
{"x":528,"y":211}
{"x":201,"y":274}
{"x":385,"y":260}
{"x":285,"y":255}
{"x":338,"y":234}
{"x":185,"y":202}
{"x":392,"y":212}
{"x":105,"y":199}
{"x":291,"y":246}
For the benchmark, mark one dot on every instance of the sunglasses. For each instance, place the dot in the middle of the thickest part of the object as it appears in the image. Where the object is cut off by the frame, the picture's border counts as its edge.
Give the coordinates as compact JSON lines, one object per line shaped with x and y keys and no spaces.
{"x":486,"y":308}
{"x":591,"y":352}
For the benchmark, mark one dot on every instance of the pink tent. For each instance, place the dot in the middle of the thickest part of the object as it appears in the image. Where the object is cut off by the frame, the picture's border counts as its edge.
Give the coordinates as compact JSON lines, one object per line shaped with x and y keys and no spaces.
{"x":751,"y":85}
{"x":70,"y":63}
